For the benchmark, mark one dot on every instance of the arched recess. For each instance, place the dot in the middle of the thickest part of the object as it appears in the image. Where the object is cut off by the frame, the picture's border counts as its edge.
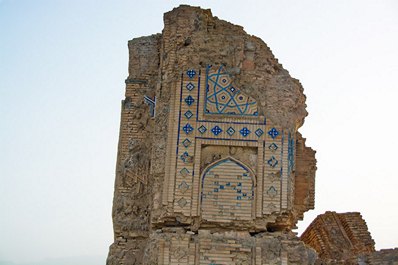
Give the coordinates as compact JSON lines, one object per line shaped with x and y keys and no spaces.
{"x":228,"y":188}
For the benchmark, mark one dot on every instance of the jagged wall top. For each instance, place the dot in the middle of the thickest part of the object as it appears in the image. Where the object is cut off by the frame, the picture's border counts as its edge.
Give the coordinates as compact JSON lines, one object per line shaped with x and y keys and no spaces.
{"x":195,"y":38}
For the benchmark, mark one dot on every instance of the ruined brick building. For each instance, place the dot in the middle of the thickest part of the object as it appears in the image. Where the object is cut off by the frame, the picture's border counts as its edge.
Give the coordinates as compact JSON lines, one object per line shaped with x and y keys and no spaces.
{"x":211,"y":168}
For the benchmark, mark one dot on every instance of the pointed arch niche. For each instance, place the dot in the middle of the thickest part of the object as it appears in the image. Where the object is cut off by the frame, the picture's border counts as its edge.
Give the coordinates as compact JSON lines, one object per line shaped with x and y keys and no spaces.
{"x":228,"y":188}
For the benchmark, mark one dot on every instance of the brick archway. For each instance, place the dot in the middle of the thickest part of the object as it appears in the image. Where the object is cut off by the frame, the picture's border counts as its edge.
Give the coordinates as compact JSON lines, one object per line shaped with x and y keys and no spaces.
{"x":227,"y":191}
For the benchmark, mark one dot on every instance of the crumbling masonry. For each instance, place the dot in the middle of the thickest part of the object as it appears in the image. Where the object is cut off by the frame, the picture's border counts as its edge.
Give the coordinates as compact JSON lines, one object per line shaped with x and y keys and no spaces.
{"x":211,"y":168}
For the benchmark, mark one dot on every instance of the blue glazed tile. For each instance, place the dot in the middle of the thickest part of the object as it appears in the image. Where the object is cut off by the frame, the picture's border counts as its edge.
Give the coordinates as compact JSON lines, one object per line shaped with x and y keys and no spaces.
{"x":184,"y":157}
{"x":216,"y":130}
{"x":188,"y":114}
{"x":187,"y":128}
{"x":189,"y":100}
{"x":230,"y":131}
{"x":190,"y":86}
{"x":186,"y":142}
{"x":259,"y":132}
{"x":273,"y":147}
{"x":272,"y":161}
{"x":273,"y":133}
{"x":191,"y":73}
{"x":202,"y":129}
{"x":245,"y":132}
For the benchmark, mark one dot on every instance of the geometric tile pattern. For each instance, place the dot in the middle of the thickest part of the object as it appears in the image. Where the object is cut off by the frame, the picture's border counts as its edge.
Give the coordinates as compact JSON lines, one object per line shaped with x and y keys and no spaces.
{"x":272,"y":161}
{"x":245,"y":129}
{"x":187,"y":128}
{"x":230,"y":131}
{"x":273,"y":133}
{"x":188,"y":114}
{"x":202,"y":129}
{"x":189,"y":100}
{"x":227,"y":192}
{"x":224,"y":98}
{"x":216,"y":130}
{"x":272,"y":191}
{"x":259,"y":132}
{"x":245,"y":132}
{"x":191,"y":73}
{"x":190,"y":86}
{"x":273,"y":147}
{"x":183,"y":187}
{"x":186,"y":142}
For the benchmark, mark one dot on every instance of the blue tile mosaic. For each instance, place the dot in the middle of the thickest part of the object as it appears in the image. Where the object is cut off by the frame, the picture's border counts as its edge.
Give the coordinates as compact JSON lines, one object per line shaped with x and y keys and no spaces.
{"x":272,"y":161}
{"x":216,"y":130}
{"x":189,"y":100}
{"x":273,"y":147}
{"x":185,"y":157}
{"x":191,"y":73}
{"x":188,"y":114}
{"x":190,"y":86}
{"x":273,"y":133}
{"x":186,"y":142}
{"x":230,"y":131}
{"x":223,"y":98}
{"x":202,"y":129}
{"x":187,"y":128}
{"x":232,"y":90}
{"x":259,"y":132}
{"x":245,"y":132}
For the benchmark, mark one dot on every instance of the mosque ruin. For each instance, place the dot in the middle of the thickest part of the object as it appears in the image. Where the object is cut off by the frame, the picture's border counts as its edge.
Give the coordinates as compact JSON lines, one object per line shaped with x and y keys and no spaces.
{"x":211,"y":168}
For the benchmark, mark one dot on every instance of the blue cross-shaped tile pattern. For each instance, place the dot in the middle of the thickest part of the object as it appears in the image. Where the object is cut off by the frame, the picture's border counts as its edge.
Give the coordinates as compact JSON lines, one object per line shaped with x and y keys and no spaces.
{"x":273,"y":133}
{"x":191,"y":73}
{"x":189,"y":100}
{"x":245,"y":132}
{"x":187,"y":128}
{"x":216,"y":130}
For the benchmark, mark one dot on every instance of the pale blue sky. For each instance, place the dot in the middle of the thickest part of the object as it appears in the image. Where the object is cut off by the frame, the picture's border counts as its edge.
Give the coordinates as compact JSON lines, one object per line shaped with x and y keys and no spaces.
{"x":62,"y":71}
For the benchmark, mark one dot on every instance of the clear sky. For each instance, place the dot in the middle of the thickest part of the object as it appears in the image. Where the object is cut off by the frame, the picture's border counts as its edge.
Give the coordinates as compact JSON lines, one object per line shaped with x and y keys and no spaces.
{"x":62,"y":71}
